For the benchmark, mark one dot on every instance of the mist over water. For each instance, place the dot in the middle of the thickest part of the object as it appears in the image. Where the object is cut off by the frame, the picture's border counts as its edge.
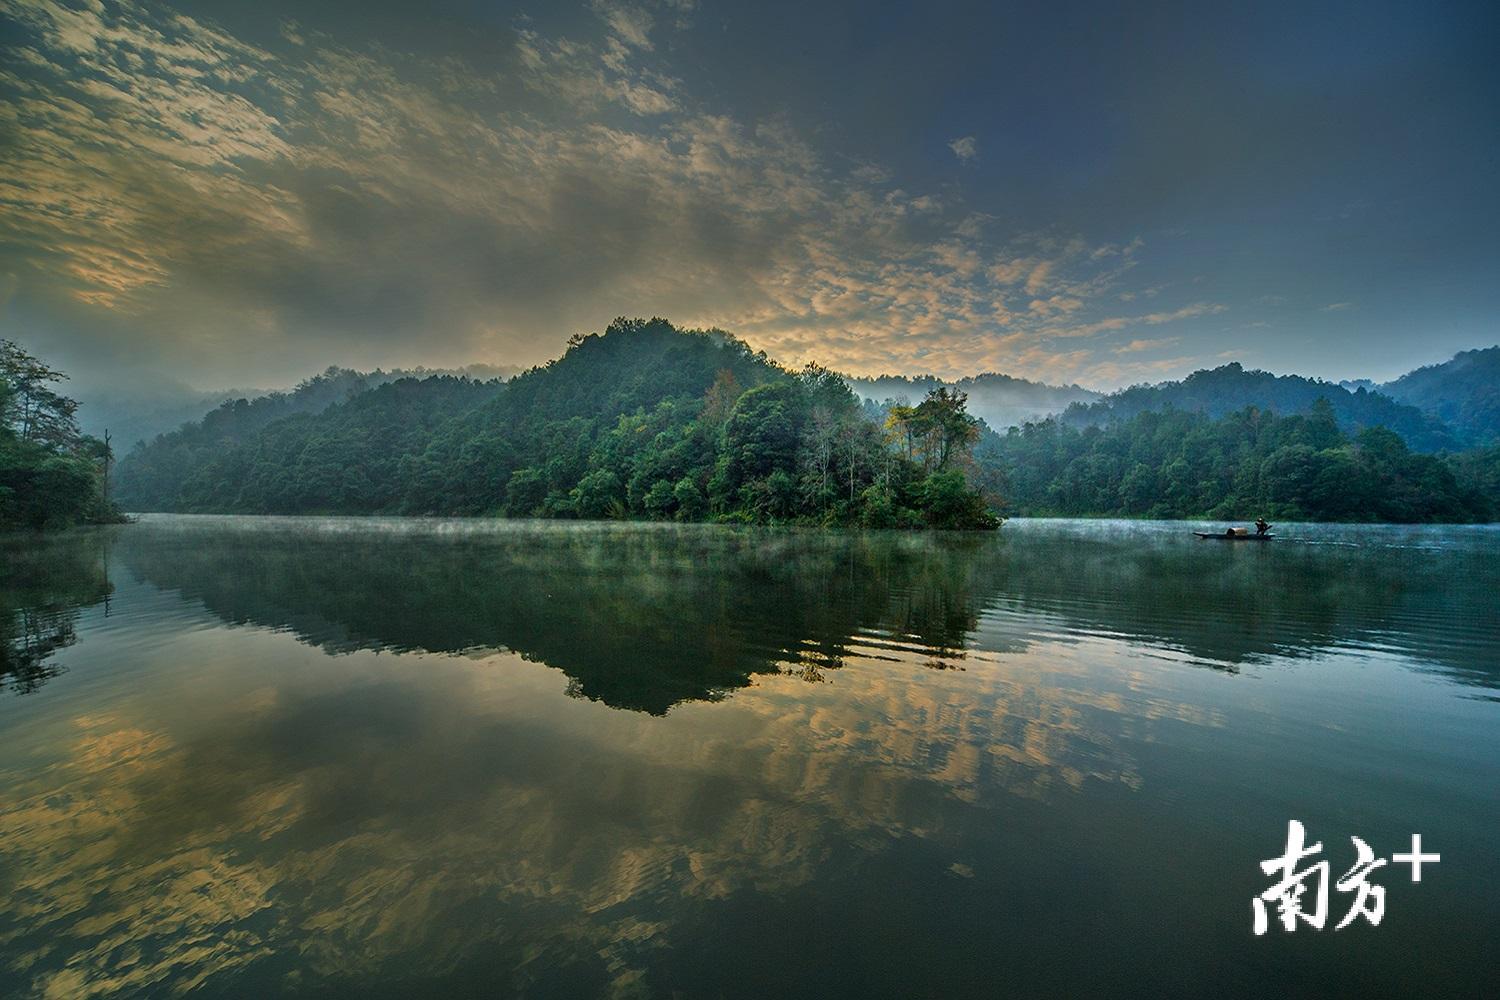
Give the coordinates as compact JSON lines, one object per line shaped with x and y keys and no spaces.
{"x":376,"y":756}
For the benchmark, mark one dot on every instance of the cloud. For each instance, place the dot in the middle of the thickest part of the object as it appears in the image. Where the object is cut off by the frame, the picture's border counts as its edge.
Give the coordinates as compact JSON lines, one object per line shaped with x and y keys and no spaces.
{"x":1186,"y":312}
{"x":1138,"y":346}
{"x":630,"y":25}
{"x":1124,"y":373}
{"x":1338,"y":306}
{"x":966,"y":149}
{"x":1113,"y":323}
{"x":176,"y":196}
{"x":147,"y":839}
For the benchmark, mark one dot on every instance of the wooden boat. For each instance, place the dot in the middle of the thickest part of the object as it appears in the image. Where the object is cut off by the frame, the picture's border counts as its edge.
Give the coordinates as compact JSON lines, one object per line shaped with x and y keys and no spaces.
{"x":1248,"y":536}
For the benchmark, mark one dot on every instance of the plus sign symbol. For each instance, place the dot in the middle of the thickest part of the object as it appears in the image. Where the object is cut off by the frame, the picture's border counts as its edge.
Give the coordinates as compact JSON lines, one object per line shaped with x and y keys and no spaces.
{"x":1416,"y":858}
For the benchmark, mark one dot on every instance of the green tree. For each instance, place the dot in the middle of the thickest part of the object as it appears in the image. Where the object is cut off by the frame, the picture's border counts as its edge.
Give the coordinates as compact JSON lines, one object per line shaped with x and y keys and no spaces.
{"x":598,"y":494}
{"x":525,"y":492}
{"x":760,"y":436}
{"x":947,"y":502}
{"x":31,"y":408}
{"x":50,"y":474}
{"x":691,"y":505}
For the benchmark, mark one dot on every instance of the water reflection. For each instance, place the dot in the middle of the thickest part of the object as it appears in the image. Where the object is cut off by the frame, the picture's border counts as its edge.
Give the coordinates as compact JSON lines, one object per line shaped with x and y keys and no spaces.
{"x":383,"y":817}
{"x":645,"y":617}
{"x":267,"y":785}
{"x":638,"y":619}
{"x":45,"y":582}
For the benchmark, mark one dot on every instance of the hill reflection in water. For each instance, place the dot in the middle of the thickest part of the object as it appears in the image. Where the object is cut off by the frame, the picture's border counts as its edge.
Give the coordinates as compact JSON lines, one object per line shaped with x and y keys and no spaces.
{"x":310,"y":756}
{"x":642,"y":617}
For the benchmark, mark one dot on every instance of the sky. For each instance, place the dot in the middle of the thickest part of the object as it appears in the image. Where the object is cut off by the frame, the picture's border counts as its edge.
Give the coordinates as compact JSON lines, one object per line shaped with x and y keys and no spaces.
{"x":228,"y":194}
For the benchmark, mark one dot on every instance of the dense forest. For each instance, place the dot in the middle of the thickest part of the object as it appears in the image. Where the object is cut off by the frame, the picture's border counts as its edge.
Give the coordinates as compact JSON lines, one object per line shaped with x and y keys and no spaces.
{"x":642,"y":421}
{"x":51,"y":475}
{"x":1177,"y":464}
{"x":1464,"y":391}
{"x":169,"y":473}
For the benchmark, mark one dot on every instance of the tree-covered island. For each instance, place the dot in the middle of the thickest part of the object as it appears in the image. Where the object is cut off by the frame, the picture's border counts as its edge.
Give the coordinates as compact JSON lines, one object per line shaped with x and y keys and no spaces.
{"x":642,"y":421}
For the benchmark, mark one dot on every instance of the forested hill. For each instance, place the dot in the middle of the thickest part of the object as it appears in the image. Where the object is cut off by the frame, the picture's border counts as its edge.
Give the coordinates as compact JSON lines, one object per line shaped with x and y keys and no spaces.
{"x":1465,"y":392}
{"x":141,"y":413}
{"x":1252,"y":463}
{"x":167,"y":472}
{"x":644,"y":420}
{"x":262,"y":456}
{"x":1229,"y":389}
{"x":999,"y":400}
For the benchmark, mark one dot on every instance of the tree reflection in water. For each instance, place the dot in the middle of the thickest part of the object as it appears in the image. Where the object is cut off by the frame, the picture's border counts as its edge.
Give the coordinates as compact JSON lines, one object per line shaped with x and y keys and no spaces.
{"x":45,"y":583}
{"x":643,"y":617}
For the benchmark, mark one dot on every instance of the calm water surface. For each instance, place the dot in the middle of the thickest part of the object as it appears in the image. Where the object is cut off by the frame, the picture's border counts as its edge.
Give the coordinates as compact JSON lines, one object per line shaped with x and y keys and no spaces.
{"x":383,"y":758}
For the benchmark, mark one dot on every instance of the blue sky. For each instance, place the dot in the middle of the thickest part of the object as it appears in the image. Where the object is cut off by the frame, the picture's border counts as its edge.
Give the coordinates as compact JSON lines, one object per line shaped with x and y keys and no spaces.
{"x":241,"y":194}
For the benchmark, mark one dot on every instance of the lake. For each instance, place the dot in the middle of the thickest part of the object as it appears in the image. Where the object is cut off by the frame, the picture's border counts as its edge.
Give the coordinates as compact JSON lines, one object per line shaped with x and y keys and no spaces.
{"x":386,"y":757}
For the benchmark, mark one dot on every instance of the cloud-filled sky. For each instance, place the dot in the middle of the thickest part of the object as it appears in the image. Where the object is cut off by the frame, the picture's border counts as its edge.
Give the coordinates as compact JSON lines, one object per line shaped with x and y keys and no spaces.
{"x":236,"y":194}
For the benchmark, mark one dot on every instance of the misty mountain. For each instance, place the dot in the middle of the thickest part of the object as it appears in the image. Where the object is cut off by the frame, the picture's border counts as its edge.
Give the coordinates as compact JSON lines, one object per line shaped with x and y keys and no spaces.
{"x":235,"y":450}
{"x":1000,"y":400}
{"x":137,"y":414}
{"x":160,"y":468}
{"x":1230,"y":388}
{"x":1464,"y":391}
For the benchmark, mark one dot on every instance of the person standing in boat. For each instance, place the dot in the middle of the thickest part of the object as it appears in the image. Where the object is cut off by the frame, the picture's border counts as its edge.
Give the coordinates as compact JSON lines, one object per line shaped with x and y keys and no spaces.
{"x":1261,"y":527}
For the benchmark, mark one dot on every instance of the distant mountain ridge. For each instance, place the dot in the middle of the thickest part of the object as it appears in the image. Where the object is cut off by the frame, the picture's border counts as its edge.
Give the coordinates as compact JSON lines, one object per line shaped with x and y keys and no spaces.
{"x":1441,"y":407}
{"x":999,"y":400}
{"x":1463,"y":391}
{"x":142,"y":415}
{"x":1217,"y":392}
